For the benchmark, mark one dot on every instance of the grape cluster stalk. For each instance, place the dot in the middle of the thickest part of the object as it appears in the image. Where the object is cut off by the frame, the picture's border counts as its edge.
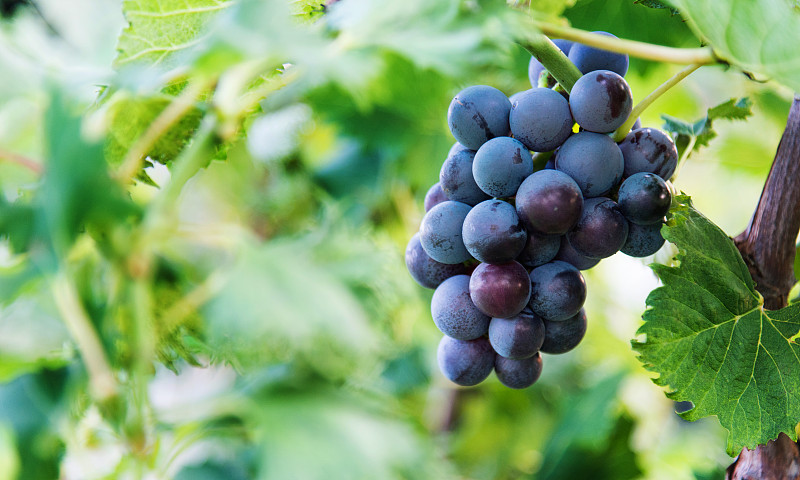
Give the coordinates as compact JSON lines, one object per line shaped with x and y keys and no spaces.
{"x":503,"y":243}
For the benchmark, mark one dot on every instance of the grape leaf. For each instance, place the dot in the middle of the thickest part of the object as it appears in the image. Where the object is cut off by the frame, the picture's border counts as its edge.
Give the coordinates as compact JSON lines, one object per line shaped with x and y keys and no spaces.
{"x":709,"y":338}
{"x":702,"y":129}
{"x":159,"y":30}
{"x":657,"y":4}
{"x":759,"y":37}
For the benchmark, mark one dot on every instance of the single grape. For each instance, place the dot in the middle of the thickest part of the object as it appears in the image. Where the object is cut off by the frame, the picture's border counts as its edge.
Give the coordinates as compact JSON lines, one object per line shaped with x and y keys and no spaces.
{"x":535,"y":67}
{"x":601,"y":101}
{"x":440,"y":232}
{"x":601,"y":230}
{"x":465,"y":362}
{"x":563,"y":336}
{"x":477,"y":114}
{"x":500,"y":166}
{"x":643,"y":240}
{"x":593,"y":160}
{"x":500,"y":290}
{"x":637,"y":124}
{"x":549,"y":202}
{"x":455,"y":177}
{"x":568,"y":254}
{"x":426,"y":271}
{"x":588,"y":58}
{"x":539,"y":249}
{"x":541,"y":119}
{"x":558,"y":290}
{"x":453,"y":311}
{"x":644,"y":198}
{"x":517,"y":337}
{"x":515,"y":97}
{"x":649,"y":150}
{"x":518,"y":374}
{"x":493,"y":233}
{"x":435,"y":196}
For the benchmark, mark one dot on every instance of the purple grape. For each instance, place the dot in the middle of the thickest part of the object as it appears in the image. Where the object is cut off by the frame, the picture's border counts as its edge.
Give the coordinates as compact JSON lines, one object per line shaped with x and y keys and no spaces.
{"x":435,"y":196}
{"x":426,"y":271}
{"x":465,"y":362}
{"x":593,"y":160}
{"x":601,"y":230}
{"x":588,"y":58}
{"x":558,"y":290}
{"x":500,"y":290}
{"x":601,"y":101}
{"x":500,"y":166}
{"x":477,"y":114}
{"x":541,"y":119}
{"x":440,"y":232}
{"x":518,"y":374}
{"x":549,"y":202}
{"x":539,"y":249}
{"x":643,"y":240}
{"x":455,"y":177}
{"x":493,"y":233}
{"x":649,"y":150}
{"x":517,"y":337}
{"x":563,"y":336}
{"x":453,"y":311}
{"x":568,"y":254}
{"x":644,"y":198}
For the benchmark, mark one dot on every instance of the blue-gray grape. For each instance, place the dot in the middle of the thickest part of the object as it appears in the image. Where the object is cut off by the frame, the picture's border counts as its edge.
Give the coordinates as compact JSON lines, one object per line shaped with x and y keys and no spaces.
{"x":518,"y":373}
{"x":493,"y":233}
{"x":601,"y":230}
{"x":477,"y":114}
{"x":500,"y":290}
{"x":643,"y":240}
{"x":518,"y":337}
{"x":453,"y":311}
{"x":426,"y":271}
{"x":549,"y":202}
{"x":541,"y":119}
{"x":455,"y":177}
{"x":563,"y":336}
{"x":440,"y":232}
{"x":649,"y":150}
{"x":539,"y":249}
{"x":500,"y":166}
{"x":644,"y":198}
{"x":465,"y":362}
{"x":588,"y":58}
{"x":593,"y":160}
{"x":601,"y":101}
{"x":434,"y":196}
{"x":568,"y":254}
{"x":558,"y":290}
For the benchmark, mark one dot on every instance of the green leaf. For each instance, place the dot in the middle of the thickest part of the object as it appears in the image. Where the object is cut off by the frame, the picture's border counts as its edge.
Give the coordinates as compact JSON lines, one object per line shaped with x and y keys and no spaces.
{"x":712,"y":343}
{"x":702,"y":129}
{"x":756,"y":36}
{"x":159,"y":31}
{"x":658,"y":5}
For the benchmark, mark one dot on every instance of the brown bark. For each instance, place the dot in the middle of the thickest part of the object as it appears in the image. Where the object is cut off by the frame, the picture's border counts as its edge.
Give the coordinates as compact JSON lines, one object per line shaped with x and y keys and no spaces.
{"x":768,"y":249}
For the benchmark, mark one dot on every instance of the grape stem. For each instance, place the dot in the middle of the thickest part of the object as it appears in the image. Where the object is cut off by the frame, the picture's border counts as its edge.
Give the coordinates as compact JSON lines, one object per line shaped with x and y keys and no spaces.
{"x":640,"y":107}
{"x":553,"y":59}
{"x":686,"y":152}
{"x":22,"y":161}
{"x":647,"y":51}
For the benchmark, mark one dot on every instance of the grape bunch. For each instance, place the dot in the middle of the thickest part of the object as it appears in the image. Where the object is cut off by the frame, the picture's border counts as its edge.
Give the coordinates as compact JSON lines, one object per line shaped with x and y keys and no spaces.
{"x":503,"y":243}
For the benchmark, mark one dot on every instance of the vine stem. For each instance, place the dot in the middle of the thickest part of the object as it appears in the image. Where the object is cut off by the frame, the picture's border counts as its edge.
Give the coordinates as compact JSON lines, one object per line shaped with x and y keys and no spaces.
{"x":101,"y":377}
{"x":640,"y":107}
{"x":553,"y":59}
{"x":647,"y":51}
{"x":22,"y":161}
{"x":166,"y":119}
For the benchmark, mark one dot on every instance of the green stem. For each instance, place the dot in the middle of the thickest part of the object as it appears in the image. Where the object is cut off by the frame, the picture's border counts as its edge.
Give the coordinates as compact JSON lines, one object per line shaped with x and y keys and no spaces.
{"x":553,"y":59}
{"x":648,"y":51}
{"x":102,"y":383}
{"x":640,"y":107}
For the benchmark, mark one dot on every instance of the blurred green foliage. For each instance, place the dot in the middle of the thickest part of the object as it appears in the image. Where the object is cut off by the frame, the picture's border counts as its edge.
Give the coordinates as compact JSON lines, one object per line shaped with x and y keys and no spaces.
{"x":261,"y":323}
